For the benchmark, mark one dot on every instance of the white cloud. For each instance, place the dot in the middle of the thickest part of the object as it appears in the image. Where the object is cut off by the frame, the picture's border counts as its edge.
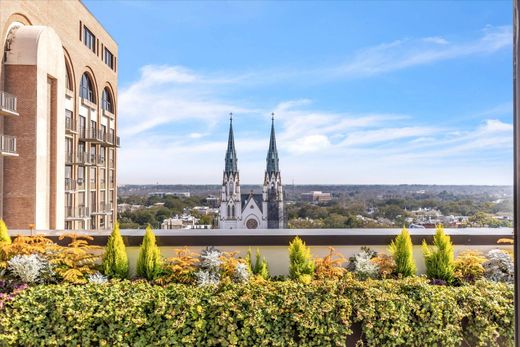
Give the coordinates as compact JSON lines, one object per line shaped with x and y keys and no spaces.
{"x":406,"y":53}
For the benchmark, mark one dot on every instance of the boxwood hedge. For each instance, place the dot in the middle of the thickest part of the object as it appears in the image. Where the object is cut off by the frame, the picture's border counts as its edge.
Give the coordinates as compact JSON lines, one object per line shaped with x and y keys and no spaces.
{"x":406,"y":312}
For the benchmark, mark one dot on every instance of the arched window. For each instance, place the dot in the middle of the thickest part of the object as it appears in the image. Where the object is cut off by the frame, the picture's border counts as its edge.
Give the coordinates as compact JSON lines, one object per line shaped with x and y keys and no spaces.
{"x":87,"y":89}
{"x":233,"y":211}
{"x":229,"y":211}
{"x":106,"y":101}
{"x":68,"y":76}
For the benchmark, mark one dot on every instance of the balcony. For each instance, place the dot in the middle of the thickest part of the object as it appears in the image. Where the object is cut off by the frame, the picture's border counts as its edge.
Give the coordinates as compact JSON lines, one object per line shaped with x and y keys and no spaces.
{"x":77,"y":213}
{"x":92,"y":135}
{"x":69,"y":158}
{"x":70,"y":126}
{"x":112,"y":140}
{"x":83,"y":158}
{"x":103,"y":209}
{"x":71,"y":185}
{"x":8,"y":104}
{"x":8,"y":145}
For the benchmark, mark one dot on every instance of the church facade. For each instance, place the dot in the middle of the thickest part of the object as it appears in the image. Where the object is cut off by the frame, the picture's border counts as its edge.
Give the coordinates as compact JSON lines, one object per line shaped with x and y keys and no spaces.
{"x":252,"y":210}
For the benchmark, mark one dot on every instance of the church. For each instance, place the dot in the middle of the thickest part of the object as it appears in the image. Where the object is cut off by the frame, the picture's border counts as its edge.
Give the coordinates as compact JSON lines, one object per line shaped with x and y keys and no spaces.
{"x":252,"y":210}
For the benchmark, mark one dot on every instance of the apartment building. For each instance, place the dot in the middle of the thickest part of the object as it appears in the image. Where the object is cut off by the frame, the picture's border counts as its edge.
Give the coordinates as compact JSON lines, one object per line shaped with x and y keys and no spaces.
{"x":58,"y":117}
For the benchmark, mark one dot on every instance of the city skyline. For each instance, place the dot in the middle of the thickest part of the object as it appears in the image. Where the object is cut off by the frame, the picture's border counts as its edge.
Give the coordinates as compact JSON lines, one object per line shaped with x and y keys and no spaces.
{"x":373,"y":103}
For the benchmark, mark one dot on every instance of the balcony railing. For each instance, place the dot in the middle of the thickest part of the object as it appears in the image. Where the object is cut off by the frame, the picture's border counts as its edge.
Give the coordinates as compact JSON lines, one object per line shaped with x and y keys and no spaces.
{"x":80,"y":212}
{"x":70,"y":125}
{"x":104,"y":208}
{"x":92,"y":135}
{"x":113,"y":140}
{"x":8,"y":145}
{"x":8,"y":104}
{"x":70,"y":185}
{"x":69,"y":158}
{"x":83,"y":158}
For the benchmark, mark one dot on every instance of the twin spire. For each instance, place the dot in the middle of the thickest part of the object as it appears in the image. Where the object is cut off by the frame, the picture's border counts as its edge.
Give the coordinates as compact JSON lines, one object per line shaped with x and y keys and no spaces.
{"x":231,"y":154}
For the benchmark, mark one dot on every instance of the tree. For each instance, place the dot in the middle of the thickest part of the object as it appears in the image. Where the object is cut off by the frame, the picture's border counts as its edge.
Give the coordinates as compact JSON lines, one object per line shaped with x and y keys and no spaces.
{"x":149,"y":263}
{"x":4,"y":233}
{"x":402,"y":252}
{"x":439,"y":259}
{"x":115,"y":259}
{"x":301,"y":264}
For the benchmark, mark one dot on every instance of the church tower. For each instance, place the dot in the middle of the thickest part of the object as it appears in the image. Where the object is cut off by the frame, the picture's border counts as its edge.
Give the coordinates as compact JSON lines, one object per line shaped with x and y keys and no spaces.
{"x":230,"y":202}
{"x":273,"y":199}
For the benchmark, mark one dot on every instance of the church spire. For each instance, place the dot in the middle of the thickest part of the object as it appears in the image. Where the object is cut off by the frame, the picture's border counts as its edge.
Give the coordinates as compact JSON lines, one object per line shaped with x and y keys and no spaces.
{"x":231,"y":154}
{"x":272,"y":154}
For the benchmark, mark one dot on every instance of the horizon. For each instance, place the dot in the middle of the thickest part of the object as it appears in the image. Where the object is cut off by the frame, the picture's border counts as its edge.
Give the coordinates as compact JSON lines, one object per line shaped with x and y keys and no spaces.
{"x":358,"y":96}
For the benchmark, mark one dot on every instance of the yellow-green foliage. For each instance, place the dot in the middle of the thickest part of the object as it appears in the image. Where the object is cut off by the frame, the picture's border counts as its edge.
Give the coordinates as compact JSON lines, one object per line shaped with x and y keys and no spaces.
{"x":76,"y":261}
{"x":439,"y":259}
{"x":407,"y":312}
{"x":229,"y":264}
{"x":115,"y":259}
{"x":181,"y":268}
{"x":385,"y":263}
{"x":5,"y":239}
{"x":26,"y":245}
{"x":149,"y":262}
{"x":330,"y":266}
{"x":402,"y":252}
{"x":259,"y":267}
{"x":468,"y":266}
{"x":301,"y":264}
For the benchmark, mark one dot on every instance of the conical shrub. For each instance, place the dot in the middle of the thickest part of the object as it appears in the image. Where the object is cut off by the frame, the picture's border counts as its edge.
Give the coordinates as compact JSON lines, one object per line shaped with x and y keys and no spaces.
{"x":115,"y":259}
{"x":301,"y":264}
{"x":439,"y":259}
{"x":402,"y":252}
{"x":4,"y":233}
{"x":149,"y":262}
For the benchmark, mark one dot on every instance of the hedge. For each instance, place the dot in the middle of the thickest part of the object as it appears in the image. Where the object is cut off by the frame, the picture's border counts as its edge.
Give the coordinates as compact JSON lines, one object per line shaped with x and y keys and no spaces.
{"x":406,"y":312}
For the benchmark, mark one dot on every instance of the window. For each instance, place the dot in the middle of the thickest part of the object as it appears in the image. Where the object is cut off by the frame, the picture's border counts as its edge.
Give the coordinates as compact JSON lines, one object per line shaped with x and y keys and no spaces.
{"x":106,"y":101}
{"x":68,"y":76}
{"x":86,"y":88}
{"x":89,"y":39}
{"x":108,"y":57}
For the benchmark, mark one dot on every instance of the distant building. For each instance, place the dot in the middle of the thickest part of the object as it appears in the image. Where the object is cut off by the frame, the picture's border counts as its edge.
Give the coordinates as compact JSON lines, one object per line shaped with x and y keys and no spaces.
{"x":252,"y":211}
{"x":317,"y":197}
{"x":212,"y":201}
{"x":163,"y":194}
{"x":183,"y":222}
{"x":128,"y":208}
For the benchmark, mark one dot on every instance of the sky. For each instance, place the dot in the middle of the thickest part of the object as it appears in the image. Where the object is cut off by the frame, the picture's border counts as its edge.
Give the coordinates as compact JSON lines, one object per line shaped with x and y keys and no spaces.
{"x":363,"y":92}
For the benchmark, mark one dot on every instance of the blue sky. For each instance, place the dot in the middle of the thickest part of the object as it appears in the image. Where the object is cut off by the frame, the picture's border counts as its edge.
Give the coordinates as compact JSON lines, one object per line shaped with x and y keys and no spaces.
{"x":363,"y":92}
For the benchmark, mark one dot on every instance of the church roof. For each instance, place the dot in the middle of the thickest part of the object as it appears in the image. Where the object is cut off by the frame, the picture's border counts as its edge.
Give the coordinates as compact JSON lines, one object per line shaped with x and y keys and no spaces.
{"x":272,"y":154}
{"x":258,"y":198}
{"x":231,"y":154}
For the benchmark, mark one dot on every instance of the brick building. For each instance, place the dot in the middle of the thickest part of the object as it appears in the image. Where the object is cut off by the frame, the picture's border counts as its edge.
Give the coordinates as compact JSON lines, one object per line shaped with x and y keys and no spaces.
{"x":58,"y":117}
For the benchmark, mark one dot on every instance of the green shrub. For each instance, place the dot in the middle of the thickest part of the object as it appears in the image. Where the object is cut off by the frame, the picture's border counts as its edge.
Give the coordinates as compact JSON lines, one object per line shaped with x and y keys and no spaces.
{"x":468,"y":266}
{"x":149,"y":262}
{"x":407,"y":312}
{"x":5,"y":239}
{"x":115,"y":259}
{"x":411,"y":312}
{"x":402,"y":252}
{"x":301,"y":264}
{"x":259,"y":267}
{"x":439,"y":259}
{"x":140,"y":314}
